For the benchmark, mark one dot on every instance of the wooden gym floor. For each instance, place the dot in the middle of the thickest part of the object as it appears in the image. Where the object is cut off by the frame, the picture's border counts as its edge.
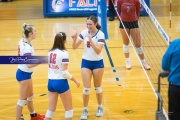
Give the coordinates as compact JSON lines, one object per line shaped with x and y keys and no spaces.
{"x":130,"y":98}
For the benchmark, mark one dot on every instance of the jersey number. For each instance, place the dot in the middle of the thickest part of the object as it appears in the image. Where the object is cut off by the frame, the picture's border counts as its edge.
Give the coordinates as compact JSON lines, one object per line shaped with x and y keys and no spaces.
{"x":128,"y":8}
{"x":88,"y":44}
{"x":53,"y":58}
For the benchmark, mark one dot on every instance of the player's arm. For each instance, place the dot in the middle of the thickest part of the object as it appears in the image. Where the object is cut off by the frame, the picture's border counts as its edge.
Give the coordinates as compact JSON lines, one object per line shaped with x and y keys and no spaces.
{"x":97,"y":48}
{"x":67,"y":75}
{"x":166,"y":60}
{"x":119,"y":7}
{"x":31,"y":65}
{"x":65,"y":72}
{"x":27,"y":52}
{"x":76,"y":42}
{"x":138,"y":8}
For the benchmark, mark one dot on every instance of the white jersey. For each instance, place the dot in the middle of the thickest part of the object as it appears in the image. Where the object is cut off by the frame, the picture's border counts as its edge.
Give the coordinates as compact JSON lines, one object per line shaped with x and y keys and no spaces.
{"x":25,"y":49}
{"x":89,"y":53}
{"x":55,"y":60}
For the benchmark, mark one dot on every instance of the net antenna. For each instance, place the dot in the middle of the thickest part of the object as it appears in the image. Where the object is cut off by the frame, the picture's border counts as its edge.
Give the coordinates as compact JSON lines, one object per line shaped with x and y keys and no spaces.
{"x":170,"y":17}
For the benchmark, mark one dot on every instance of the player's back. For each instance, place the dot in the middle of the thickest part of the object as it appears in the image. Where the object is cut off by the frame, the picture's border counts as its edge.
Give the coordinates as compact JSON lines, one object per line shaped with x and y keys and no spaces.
{"x":55,"y":60}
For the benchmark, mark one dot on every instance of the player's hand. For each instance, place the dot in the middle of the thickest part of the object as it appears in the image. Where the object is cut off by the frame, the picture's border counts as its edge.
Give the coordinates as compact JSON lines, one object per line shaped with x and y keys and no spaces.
{"x":77,"y":83}
{"x":74,"y":36}
{"x":90,"y":37}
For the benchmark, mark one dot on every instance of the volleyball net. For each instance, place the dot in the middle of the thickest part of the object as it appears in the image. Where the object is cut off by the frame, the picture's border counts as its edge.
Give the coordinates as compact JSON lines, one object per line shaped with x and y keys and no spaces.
{"x":155,"y":42}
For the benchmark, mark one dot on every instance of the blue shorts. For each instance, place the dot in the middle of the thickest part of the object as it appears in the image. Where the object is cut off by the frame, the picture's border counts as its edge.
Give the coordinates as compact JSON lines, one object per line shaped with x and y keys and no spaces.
{"x":21,"y":75}
{"x":58,"y":85}
{"x":92,"y":64}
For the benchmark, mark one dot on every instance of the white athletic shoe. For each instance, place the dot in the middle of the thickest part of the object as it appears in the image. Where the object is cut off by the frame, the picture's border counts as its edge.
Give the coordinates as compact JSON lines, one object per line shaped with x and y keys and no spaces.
{"x":128,"y":65}
{"x":145,"y":65}
{"x":99,"y":112}
{"x":84,"y":114}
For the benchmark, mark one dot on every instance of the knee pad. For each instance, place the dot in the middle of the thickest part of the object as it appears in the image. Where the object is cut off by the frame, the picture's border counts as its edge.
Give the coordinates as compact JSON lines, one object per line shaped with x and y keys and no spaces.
{"x":140,"y":50}
{"x":30,"y":98}
{"x":98,"y":90}
{"x":86,"y":91}
{"x":69,"y":114}
{"x":125,"y":48}
{"x":49,"y":114}
{"x":22,"y":103}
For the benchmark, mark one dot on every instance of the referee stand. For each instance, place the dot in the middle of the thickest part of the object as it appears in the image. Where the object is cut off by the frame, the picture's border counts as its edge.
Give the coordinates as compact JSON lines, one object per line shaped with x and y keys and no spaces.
{"x":159,"y":112}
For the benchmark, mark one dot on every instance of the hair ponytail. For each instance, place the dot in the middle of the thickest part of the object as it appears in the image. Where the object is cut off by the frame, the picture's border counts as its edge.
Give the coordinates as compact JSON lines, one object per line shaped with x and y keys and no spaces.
{"x":26,"y":29}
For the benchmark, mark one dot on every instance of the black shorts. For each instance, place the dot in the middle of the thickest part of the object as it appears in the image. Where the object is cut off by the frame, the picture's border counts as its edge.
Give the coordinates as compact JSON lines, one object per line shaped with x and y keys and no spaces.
{"x":129,"y":25}
{"x":173,"y":102}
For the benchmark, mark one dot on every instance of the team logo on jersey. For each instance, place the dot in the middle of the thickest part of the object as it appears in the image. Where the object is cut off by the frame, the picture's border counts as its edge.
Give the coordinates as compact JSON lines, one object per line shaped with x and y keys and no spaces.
{"x":88,"y":44}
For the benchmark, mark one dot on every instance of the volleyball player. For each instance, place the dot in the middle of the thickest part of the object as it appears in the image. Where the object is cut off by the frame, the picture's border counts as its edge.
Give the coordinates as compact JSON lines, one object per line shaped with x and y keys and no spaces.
{"x":24,"y":72}
{"x":58,"y":74}
{"x":129,"y":11}
{"x":92,"y":62}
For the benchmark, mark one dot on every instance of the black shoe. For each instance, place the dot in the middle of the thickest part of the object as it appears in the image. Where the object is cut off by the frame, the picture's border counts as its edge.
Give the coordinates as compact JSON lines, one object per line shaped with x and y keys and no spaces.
{"x":111,"y":18}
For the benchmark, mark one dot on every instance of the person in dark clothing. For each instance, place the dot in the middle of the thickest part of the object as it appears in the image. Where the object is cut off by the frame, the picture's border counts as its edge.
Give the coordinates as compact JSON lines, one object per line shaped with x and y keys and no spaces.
{"x":170,"y":63}
{"x":111,"y":10}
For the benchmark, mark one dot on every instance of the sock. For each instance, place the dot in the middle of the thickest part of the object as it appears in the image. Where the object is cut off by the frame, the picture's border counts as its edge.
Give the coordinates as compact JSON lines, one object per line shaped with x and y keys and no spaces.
{"x":100,"y":105}
{"x":33,"y":114}
{"x":85,"y":108}
{"x":128,"y":59}
{"x":143,"y":60}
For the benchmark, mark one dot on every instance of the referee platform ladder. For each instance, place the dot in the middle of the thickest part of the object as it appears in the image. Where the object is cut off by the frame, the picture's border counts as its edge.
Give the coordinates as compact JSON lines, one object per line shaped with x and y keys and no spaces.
{"x":159,"y":112}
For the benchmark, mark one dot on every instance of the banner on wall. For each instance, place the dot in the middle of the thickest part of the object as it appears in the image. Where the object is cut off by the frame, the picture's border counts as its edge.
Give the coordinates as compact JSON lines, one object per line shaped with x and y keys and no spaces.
{"x":72,"y":5}
{"x":69,"y":7}
{"x":57,"y":8}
